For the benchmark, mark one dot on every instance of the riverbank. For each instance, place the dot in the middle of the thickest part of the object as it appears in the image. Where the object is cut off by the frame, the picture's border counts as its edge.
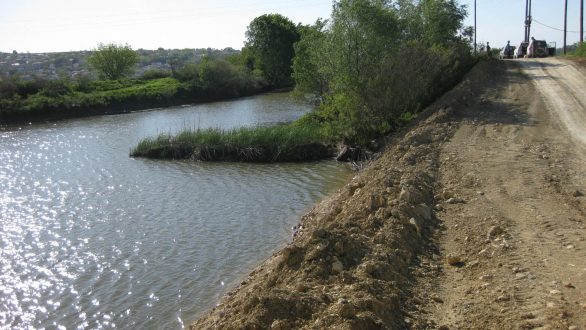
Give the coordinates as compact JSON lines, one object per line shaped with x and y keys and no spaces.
{"x":349,"y":263}
{"x":335,"y":128}
{"x":115,"y":97}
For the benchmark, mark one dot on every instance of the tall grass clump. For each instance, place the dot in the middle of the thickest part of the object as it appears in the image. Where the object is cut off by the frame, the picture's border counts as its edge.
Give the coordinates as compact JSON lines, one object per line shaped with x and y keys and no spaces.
{"x":290,"y":142}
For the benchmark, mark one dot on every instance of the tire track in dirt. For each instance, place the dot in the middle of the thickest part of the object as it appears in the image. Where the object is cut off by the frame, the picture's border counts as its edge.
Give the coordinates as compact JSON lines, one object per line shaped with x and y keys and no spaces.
{"x":519,"y":232}
{"x":562,"y":87}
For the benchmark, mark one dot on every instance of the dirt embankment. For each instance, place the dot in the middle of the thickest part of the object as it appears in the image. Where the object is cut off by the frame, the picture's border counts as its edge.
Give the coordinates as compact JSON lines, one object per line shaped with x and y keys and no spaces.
{"x":472,"y":219}
{"x":349,"y":264}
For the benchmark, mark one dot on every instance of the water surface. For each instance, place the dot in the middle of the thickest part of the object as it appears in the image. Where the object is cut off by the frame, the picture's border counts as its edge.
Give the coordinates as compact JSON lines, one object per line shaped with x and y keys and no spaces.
{"x":91,"y":238}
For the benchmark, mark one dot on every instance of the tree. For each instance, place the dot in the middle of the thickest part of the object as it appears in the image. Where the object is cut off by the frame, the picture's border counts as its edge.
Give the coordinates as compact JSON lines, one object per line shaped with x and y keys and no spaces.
{"x":113,"y":61}
{"x":442,"y":20}
{"x":376,"y":60}
{"x":364,"y":35}
{"x":270,"y":39}
{"x":308,"y":63}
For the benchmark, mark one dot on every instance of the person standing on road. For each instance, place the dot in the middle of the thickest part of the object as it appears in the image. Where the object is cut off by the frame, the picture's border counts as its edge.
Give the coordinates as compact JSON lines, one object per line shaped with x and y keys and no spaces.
{"x":531,"y":48}
{"x":508,"y":49}
{"x":488,"y":50}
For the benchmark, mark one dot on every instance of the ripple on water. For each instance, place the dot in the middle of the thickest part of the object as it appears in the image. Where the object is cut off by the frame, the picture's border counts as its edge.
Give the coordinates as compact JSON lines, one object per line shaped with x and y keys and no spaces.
{"x":91,"y":238}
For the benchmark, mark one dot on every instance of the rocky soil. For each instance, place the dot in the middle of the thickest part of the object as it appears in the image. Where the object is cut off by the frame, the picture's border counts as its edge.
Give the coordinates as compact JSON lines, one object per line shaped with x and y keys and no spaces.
{"x":472,"y":218}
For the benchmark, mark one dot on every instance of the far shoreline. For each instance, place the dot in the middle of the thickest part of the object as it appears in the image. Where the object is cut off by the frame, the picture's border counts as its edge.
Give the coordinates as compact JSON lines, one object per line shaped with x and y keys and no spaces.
{"x":47,"y":116}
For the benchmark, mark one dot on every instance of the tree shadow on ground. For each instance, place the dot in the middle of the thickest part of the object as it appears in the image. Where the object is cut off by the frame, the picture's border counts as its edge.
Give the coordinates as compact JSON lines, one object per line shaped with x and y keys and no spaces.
{"x":486,"y":106}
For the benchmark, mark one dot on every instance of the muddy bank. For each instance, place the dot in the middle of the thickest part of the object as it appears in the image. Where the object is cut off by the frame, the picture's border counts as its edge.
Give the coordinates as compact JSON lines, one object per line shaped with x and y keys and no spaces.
{"x":348,"y":266}
{"x":297,"y":153}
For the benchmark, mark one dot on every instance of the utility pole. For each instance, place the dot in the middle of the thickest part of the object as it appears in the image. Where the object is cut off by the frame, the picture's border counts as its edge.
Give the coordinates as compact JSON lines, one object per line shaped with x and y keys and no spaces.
{"x":565,"y":25}
{"x":581,"y":21}
{"x":527,"y":20}
{"x":475,"y":48}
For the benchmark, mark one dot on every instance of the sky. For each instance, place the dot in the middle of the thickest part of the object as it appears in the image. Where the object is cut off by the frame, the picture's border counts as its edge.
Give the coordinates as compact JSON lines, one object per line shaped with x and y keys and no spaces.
{"x":70,"y":25}
{"x":499,"y":21}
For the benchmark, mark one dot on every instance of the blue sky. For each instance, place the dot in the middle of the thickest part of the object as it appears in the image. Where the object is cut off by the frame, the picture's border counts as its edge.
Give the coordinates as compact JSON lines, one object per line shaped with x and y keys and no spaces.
{"x":501,"y":20}
{"x":63,"y":25}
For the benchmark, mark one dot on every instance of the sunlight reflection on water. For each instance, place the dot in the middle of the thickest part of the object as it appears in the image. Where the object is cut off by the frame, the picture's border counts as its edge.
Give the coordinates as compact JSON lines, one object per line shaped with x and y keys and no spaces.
{"x":91,"y":238}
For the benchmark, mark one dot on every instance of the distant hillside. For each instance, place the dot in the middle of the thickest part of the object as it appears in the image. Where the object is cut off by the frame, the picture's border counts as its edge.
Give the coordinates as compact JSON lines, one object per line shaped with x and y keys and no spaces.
{"x":73,"y":64}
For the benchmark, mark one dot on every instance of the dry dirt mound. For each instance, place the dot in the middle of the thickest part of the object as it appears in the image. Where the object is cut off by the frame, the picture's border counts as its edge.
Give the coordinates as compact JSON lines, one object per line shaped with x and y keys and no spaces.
{"x":348,"y":266}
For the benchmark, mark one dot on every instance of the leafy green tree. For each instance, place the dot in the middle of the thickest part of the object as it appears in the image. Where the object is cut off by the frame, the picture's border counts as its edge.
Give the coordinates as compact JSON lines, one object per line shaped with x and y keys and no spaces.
{"x":113,"y":61}
{"x":363,"y":36}
{"x":270,"y":40}
{"x":308,"y":64}
{"x":442,"y":20}
{"x":376,"y":60}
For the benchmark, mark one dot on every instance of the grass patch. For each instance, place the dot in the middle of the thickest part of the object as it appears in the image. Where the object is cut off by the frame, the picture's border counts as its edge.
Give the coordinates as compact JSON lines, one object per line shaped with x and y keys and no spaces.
{"x":290,"y":142}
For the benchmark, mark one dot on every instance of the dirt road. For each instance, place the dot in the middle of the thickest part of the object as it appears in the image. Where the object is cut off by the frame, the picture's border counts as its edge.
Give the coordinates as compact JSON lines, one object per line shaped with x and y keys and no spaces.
{"x":517,"y":240}
{"x":562,"y":86}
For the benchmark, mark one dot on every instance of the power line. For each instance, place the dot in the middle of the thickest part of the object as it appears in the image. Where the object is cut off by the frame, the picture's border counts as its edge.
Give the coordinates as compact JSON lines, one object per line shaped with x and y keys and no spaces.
{"x":551,"y":27}
{"x":217,"y":10}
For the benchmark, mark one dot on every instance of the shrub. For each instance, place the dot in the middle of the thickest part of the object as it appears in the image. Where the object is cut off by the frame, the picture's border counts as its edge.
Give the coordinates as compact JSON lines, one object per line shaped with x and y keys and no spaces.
{"x":54,"y":88}
{"x":580,"y":51}
{"x":30,"y":87}
{"x":8,"y":88}
{"x":155,"y":74}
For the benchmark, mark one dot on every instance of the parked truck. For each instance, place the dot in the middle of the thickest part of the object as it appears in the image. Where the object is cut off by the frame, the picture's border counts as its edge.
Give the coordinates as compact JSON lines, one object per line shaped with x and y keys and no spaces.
{"x":541,"y":48}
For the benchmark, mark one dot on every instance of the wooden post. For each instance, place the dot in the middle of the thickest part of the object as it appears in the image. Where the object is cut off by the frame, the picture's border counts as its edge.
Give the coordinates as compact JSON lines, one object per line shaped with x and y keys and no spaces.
{"x":565,"y":25}
{"x":581,"y":21}
{"x":527,"y":20}
{"x":526,"y":36}
{"x":475,"y":47}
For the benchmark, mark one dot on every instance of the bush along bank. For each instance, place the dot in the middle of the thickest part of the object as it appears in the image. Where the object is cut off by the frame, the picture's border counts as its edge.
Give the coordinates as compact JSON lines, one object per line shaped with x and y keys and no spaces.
{"x":326,"y":132}
{"x":372,"y":68}
{"x":210,"y":80}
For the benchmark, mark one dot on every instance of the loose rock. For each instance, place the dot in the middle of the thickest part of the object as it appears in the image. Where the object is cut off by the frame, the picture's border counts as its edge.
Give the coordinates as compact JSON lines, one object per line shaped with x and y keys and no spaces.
{"x":337,"y":267}
{"x":454,"y":260}
{"x":493,"y":232}
{"x":346,"y":310}
{"x":280,"y":325}
{"x":455,"y":200}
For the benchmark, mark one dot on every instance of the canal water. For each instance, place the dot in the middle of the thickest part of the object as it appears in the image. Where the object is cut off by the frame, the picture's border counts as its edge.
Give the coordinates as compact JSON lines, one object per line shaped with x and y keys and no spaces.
{"x":91,"y":238}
